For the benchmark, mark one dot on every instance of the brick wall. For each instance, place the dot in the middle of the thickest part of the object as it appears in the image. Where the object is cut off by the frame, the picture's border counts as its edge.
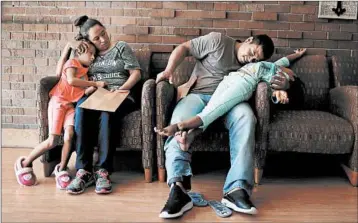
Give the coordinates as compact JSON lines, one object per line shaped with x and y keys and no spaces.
{"x":33,"y":34}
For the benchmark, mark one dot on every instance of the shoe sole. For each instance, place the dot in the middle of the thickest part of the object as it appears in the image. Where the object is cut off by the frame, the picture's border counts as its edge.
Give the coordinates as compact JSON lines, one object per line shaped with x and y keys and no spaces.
{"x":228,"y":204}
{"x":18,"y":181}
{"x":103,"y":191}
{"x":184,"y":209}
{"x":81,"y":191}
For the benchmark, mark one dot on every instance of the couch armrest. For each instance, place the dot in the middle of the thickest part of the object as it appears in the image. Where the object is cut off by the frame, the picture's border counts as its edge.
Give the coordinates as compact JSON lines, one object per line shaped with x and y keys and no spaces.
{"x":165,"y":93}
{"x":262,"y":112}
{"x":344,"y":103}
{"x":44,"y":87}
{"x":148,"y":122}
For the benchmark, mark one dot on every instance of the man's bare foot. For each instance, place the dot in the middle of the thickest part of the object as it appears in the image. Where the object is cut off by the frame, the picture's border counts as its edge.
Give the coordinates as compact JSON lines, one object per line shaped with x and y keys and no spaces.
{"x":185,"y":138}
{"x":167,"y":131}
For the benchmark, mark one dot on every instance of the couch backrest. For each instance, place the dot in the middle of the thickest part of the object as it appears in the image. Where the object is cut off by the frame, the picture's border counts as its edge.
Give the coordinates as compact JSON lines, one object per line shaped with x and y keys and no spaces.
{"x":345,"y":70}
{"x":183,"y":71}
{"x":313,"y":71}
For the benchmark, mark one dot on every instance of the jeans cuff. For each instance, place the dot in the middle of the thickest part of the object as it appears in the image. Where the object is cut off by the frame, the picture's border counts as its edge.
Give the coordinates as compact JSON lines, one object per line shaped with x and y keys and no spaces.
{"x":242,"y":185}
{"x":185,"y":180}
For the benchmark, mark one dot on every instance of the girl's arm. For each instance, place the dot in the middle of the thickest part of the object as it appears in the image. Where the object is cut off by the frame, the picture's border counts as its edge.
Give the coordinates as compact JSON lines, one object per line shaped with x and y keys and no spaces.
{"x":298,"y":53}
{"x":77,"y":82}
{"x":134,"y":77}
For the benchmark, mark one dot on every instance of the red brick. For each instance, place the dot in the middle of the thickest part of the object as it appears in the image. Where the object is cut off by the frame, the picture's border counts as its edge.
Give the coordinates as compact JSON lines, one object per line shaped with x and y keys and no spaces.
{"x":174,"y":22}
{"x":7,"y":18}
{"x":47,"y":36}
{"x":349,"y":28}
{"x":12,"y":111}
{"x":264,"y":16}
{"x":161,"y":48}
{"x":290,"y":34}
{"x":247,"y":7}
{"x":29,"y":94}
{"x":239,"y":15}
{"x":35,"y":27}
{"x":301,"y":43}
{"x":355,"y":36}
{"x":4,"y":85}
{"x":23,"y":36}
{"x":34,"y":78}
{"x":35,"y":61}
{"x":137,"y":12}
{"x":37,"y":11}
{"x":123,"y":21}
{"x":68,"y":36}
{"x":12,"y":94}
{"x":270,"y":33}
{"x":6,"y":52}
{"x":30,"y":111}
{"x":22,"y":70}
{"x":12,"y":61}
{"x":125,"y":38}
{"x":238,"y":32}
{"x":110,"y":12}
{"x":303,"y":9}
{"x":135,"y":30}
{"x":329,"y":44}
{"x":6,"y":119}
{"x":11,"y":44}
{"x":326,"y":27}
{"x":173,"y":39}
{"x":149,"y":22}
{"x":175,"y":5}
{"x":8,"y":77}
{"x":276,"y":25}
{"x":11,"y":27}
{"x":151,"y":5}
{"x":315,"y":35}
{"x":201,"y":5}
{"x":23,"y":53}
{"x":199,"y":23}
{"x":186,"y":31}
{"x":331,"y":52}
{"x":20,"y":119}
{"x":124,"y":5}
{"x":35,"y":44}
{"x":313,"y":18}
{"x":200,"y":14}
{"x":47,"y":53}
{"x":161,"y":30}
{"x":60,"y":28}
{"x":13,"y":10}
{"x":6,"y":69}
{"x":162,"y":13}
{"x":226,"y":24}
{"x":76,"y":4}
{"x":29,"y":3}
{"x":347,"y":45}
{"x":303,"y":26}
{"x":340,"y":35}
{"x":45,"y":70}
{"x":290,"y":17}
{"x":207,"y":31}
{"x":99,"y":4}
{"x":276,"y":8}
{"x":12,"y":3}
{"x":47,"y":3}
{"x":149,"y":39}
{"x":23,"y":86}
{"x":226,"y":6}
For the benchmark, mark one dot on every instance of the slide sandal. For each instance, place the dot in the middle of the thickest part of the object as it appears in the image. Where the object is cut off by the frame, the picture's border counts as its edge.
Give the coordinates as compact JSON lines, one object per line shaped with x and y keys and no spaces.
{"x":220,"y":209}
{"x":198,"y":199}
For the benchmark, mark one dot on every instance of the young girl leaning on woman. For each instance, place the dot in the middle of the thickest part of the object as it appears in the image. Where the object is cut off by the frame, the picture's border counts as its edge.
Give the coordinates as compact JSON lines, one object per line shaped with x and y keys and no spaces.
{"x":70,"y":88}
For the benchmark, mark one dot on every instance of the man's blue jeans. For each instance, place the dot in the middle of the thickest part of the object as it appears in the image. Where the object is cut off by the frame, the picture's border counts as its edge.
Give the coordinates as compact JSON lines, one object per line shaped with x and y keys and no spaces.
{"x":240,"y":121}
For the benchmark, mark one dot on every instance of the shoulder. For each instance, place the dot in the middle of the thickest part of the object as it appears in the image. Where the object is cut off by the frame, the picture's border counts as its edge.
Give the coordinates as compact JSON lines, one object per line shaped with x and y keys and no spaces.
{"x":121,"y":45}
{"x":72,"y":63}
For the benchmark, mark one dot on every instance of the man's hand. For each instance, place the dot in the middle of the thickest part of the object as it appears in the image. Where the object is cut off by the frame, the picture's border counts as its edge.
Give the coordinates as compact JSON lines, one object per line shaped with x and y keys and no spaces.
{"x":90,"y":90}
{"x":165,"y":75}
{"x":281,"y":96}
{"x":100,"y":84}
{"x":279,"y":82}
{"x":301,"y":51}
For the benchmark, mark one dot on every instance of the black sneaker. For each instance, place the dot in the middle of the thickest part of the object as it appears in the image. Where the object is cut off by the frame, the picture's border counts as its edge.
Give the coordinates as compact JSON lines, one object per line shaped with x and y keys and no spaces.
{"x":83,"y":180}
{"x":239,"y":201}
{"x":103,"y":183}
{"x":177,"y":203}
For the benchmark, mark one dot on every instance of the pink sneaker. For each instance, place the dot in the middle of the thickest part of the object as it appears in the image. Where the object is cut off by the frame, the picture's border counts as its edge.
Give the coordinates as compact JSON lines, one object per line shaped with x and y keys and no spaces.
{"x":25,"y":175}
{"x":63,"y":178}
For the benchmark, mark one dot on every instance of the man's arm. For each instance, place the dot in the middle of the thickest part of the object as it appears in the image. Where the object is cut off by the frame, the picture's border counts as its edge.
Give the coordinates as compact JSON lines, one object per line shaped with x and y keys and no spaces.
{"x":176,"y":57}
{"x":298,"y":54}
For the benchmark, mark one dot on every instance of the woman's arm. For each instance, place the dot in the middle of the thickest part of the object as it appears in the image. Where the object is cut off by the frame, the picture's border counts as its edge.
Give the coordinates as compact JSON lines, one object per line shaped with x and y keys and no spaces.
{"x":63,"y":59}
{"x":77,"y":82}
{"x":134,"y":77}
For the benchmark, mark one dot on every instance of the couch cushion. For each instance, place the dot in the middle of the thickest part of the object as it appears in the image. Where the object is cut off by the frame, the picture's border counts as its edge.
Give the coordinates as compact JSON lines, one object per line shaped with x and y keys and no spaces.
{"x":129,"y":137}
{"x":311,"y":132}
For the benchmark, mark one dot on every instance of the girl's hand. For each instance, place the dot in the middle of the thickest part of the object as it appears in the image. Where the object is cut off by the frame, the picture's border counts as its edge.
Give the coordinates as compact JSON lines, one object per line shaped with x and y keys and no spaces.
{"x":300,"y":51}
{"x":90,"y":90}
{"x":281,"y":96}
{"x":100,"y":84}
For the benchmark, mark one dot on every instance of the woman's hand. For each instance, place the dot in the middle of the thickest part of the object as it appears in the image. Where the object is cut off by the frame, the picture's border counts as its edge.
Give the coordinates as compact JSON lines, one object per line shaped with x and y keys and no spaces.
{"x":301,"y":51}
{"x":100,"y":84}
{"x":281,"y":96}
{"x":90,"y":90}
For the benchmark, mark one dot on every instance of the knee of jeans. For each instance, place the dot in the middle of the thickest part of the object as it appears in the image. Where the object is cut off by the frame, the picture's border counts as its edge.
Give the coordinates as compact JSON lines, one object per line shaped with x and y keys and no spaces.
{"x":242,"y":113}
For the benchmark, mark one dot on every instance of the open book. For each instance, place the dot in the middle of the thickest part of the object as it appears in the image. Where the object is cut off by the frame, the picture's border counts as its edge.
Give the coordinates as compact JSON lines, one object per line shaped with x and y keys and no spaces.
{"x":104,"y":100}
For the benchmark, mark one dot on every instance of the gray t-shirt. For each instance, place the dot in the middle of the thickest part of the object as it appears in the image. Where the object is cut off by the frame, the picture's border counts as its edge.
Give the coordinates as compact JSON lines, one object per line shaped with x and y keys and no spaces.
{"x":216,"y":58}
{"x":114,"y":66}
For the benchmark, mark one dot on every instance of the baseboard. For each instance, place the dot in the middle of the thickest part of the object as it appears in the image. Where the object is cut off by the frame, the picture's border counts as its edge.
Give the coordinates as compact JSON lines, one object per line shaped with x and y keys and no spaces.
{"x":25,"y":138}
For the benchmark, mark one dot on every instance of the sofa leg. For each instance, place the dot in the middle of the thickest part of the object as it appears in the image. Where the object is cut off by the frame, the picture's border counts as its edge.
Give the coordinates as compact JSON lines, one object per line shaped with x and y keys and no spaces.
{"x":161,"y":174}
{"x":258,"y":175}
{"x":148,"y":175}
{"x":49,"y":167}
{"x":352,"y":175}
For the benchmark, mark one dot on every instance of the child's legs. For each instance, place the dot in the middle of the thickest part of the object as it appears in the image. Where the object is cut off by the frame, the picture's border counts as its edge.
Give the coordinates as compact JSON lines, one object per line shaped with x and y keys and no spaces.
{"x":68,"y":136}
{"x":231,"y":91}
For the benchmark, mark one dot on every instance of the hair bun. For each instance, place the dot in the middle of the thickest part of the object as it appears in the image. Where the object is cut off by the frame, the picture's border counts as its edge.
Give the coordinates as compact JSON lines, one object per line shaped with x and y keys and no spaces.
{"x":80,"y":20}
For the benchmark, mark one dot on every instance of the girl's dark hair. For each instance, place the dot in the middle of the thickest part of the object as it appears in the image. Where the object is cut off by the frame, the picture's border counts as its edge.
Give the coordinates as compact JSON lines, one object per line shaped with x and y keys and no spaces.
{"x":85,"y":23}
{"x":296,"y":95}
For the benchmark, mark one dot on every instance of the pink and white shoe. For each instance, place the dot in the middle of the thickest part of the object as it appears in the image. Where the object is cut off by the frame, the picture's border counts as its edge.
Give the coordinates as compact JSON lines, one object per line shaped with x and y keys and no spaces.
{"x":63,"y":178}
{"x":25,"y":175}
